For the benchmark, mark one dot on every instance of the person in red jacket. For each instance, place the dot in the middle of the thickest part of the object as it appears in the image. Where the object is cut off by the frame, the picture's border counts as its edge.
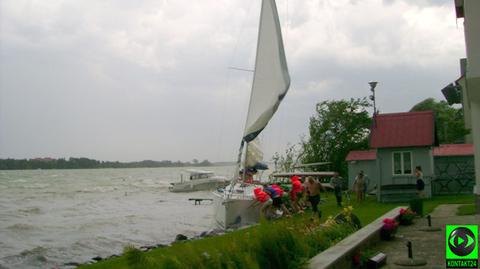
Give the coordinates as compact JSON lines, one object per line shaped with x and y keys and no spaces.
{"x":260,"y":195}
{"x":297,"y":188}
{"x":263,"y":198}
{"x":271,"y":197}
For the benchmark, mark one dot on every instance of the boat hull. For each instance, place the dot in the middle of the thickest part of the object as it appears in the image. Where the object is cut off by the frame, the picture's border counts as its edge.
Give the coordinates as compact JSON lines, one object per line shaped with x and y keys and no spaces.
{"x":235,"y":211}
{"x":198,"y":185}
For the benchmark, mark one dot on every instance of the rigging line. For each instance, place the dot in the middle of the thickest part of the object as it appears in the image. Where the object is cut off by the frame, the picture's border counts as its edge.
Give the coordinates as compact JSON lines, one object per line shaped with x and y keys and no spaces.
{"x":241,"y":69}
{"x":228,"y":85}
{"x":287,"y":23}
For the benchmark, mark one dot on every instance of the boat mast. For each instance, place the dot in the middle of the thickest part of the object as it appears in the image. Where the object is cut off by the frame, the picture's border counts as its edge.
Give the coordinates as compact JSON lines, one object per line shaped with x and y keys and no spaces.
{"x":248,"y":136}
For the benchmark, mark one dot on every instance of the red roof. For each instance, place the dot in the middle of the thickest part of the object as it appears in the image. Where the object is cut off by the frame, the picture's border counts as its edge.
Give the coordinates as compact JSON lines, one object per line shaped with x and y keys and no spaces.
{"x":361,"y":155}
{"x":405,"y":129}
{"x":453,"y":150}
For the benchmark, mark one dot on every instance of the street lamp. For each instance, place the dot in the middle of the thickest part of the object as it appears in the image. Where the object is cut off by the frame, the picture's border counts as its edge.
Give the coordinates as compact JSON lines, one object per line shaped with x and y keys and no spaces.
{"x":373,"y":84}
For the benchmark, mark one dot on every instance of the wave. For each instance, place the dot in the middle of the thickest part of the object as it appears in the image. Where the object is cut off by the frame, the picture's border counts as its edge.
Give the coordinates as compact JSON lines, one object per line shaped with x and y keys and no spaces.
{"x":30,"y":258}
{"x":35,"y":186}
{"x":30,"y":210}
{"x":21,"y":227}
{"x":34,"y":251}
{"x":99,"y":189}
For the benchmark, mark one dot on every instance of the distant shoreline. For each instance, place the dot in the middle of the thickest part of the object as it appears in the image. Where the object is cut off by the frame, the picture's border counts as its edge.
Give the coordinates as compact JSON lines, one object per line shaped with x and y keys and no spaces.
{"x":85,"y":163}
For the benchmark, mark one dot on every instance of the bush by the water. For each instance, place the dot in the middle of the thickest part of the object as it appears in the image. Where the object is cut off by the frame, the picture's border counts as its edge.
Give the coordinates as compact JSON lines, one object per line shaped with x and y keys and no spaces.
{"x":272,"y":245}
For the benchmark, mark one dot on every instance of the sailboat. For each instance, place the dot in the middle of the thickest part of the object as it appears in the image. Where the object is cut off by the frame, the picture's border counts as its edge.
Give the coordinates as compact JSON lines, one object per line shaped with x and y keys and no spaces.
{"x":235,"y":205}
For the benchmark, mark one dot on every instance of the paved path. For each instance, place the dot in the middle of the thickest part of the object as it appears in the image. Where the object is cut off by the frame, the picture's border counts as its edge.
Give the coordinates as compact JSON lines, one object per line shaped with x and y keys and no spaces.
{"x":429,"y":246}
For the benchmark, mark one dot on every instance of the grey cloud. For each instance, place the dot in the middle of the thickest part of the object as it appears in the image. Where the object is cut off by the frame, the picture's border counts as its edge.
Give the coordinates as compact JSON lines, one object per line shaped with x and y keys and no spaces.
{"x":123,"y":80}
{"x":421,"y":2}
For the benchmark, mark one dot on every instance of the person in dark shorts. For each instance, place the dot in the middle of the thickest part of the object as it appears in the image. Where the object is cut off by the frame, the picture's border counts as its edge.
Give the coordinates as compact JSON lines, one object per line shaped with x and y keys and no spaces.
{"x":420,"y":186}
{"x":337,"y":184}
{"x":313,"y":188}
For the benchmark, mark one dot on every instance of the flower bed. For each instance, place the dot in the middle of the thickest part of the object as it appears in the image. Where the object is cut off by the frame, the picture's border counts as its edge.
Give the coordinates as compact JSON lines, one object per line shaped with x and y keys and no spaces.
{"x":406,"y":216}
{"x":389,"y":229}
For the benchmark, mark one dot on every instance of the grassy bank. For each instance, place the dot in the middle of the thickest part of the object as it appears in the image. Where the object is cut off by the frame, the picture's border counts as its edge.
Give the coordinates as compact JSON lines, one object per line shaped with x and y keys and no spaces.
{"x":285,"y":243}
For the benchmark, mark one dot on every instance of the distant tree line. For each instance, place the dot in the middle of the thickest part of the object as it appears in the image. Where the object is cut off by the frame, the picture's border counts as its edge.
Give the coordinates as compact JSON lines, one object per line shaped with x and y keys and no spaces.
{"x":84,"y":163}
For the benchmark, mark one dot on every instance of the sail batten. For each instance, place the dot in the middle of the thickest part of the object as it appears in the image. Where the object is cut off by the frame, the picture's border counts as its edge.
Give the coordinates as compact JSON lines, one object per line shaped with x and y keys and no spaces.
{"x":271,"y":78}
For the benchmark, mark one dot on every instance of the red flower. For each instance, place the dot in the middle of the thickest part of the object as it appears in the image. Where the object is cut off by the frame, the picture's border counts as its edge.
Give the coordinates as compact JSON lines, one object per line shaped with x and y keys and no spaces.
{"x":389,"y":224}
{"x":406,"y":211}
{"x":387,"y":220}
{"x":357,"y":258}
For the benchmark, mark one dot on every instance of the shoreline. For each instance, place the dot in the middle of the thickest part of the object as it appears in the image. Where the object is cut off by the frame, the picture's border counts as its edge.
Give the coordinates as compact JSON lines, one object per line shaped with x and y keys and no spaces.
{"x":368,"y":211}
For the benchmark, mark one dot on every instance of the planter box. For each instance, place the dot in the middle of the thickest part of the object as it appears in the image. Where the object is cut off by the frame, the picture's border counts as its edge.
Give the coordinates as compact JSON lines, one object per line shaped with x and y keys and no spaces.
{"x":340,"y":255}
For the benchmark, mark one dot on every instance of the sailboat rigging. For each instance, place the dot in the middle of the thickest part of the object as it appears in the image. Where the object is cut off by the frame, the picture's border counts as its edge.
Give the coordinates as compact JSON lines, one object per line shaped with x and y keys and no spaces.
{"x":235,"y":206}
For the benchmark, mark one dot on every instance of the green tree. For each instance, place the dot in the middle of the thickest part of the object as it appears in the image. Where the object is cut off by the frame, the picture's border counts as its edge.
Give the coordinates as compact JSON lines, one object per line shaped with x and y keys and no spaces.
{"x":285,"y":163}
{"x":336,"y":128}
{"x":448,"y":120}
{"x":204,"y":163}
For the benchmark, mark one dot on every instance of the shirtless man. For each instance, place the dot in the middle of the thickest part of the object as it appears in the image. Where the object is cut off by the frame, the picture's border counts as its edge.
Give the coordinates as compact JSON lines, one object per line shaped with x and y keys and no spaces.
{"x":313,"y":188}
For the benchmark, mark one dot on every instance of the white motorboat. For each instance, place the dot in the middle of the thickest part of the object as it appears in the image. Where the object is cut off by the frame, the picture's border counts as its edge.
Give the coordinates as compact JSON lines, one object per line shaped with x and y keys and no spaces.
{"x":235,"y":206}
{"x":198,"y":180}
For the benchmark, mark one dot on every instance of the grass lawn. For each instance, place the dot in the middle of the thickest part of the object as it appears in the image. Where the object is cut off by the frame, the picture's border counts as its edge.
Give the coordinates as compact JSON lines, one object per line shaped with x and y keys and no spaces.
{"x":466,"y":210}
{"x":290,"y":241}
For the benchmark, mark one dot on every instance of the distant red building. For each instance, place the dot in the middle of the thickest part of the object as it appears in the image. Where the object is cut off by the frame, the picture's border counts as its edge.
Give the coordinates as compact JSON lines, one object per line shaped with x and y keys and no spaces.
{"x":401,"y":141}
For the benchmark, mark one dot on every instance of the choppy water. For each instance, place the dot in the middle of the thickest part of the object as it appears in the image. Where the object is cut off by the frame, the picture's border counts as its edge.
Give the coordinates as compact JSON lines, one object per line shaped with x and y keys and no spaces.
{"x":51,"y":217}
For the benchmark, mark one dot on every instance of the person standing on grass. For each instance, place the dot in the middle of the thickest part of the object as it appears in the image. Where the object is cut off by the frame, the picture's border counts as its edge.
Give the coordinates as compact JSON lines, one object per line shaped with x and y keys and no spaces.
{"x":420,"y":185}
{"x":359,"y":186}
{"x":337,"y":184}
{"x":301,"y":196}
{"x":313,"y":188}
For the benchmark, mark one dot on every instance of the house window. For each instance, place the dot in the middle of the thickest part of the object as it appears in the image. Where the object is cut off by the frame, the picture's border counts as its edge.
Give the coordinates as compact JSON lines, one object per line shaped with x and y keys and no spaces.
{"x":402,"y":163}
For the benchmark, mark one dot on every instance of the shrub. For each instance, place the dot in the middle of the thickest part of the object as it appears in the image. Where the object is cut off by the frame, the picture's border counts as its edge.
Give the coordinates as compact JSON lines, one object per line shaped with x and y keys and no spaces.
{"x":278,"y":244}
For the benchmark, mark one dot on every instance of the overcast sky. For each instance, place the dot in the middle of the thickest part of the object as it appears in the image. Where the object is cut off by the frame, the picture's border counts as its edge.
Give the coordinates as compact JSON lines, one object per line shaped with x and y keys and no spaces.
{"x":149,"y":79}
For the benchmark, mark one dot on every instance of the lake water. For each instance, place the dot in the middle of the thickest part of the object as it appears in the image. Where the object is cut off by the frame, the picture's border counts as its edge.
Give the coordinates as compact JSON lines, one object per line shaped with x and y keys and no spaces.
{"x":50,"y":217}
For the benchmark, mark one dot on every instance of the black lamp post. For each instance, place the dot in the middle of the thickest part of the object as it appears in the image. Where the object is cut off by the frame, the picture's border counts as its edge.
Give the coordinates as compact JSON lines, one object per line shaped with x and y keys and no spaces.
{"x":373,"y":84}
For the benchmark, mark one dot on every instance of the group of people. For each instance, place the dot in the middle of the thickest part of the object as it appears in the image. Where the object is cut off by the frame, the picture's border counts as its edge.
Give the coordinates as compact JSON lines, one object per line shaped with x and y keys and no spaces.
{"x":274,"y":197}
{"x":361,"y":183}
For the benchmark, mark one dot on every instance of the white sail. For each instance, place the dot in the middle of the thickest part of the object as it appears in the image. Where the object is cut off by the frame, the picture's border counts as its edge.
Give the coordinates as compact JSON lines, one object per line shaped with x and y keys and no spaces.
{"x":254,"y":153}
{"x":236,"y":205}
{"x":271,"y":79}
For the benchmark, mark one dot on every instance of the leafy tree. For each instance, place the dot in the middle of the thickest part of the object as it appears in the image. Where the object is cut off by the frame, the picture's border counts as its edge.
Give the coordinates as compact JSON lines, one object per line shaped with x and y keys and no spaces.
{"x":204,"y":163}
{"x":286,"y":162}
{"x":448,"y":120}
{"x":335,"y":129}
